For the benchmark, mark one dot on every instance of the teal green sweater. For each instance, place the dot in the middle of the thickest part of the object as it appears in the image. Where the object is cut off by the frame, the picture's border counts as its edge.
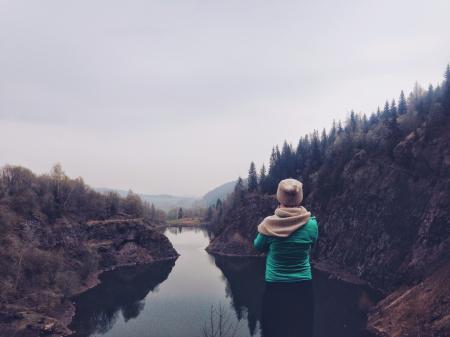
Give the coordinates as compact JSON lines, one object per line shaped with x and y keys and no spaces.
{"x":288,"y":258}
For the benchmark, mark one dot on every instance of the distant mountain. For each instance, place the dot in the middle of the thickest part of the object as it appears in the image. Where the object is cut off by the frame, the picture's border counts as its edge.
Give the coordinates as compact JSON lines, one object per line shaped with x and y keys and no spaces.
{"x":162,"y":201}
{"x":220,"y":192}
{"x":167,"y":202}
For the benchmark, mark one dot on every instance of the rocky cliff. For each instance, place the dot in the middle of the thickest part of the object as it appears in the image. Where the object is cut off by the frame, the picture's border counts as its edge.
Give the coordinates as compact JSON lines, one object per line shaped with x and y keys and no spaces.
{"x":391,"y":222}
{"x":65,"y":259}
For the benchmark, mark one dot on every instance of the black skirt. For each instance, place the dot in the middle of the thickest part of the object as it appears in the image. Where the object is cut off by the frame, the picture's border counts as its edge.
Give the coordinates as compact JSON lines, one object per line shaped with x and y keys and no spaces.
{"x":288,"y":309}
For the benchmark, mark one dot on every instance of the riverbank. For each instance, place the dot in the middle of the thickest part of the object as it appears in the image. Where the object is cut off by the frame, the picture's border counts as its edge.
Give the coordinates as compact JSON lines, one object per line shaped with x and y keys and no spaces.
{"x":108,"y":245}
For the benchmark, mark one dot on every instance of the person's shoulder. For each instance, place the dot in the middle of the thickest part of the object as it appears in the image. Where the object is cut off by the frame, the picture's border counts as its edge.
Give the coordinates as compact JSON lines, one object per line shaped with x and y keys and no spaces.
{"x":264,"y":236}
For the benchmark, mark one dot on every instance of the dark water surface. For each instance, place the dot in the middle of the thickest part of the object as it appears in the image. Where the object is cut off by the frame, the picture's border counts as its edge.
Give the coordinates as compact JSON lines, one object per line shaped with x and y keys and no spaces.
{"x":173,"y":299}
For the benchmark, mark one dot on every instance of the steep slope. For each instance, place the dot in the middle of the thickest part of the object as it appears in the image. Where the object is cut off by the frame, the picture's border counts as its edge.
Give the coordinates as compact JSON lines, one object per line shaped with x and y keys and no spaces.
{"x":390,"y":222}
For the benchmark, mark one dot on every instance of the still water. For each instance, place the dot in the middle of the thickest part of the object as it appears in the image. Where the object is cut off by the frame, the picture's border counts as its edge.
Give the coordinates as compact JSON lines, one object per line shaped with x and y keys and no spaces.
{"x":174,"y":299}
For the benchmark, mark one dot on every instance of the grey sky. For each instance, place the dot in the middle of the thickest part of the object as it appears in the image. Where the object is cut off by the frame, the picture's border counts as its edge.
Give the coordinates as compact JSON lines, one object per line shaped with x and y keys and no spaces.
{"x":179,"y":96}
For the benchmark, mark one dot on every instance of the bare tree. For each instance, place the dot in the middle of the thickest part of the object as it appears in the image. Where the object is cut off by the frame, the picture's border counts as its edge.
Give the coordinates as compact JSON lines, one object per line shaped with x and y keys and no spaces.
{"x":219,"y":324}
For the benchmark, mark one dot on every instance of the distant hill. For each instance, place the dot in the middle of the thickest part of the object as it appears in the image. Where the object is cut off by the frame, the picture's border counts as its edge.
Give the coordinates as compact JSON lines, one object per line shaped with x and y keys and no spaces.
{"x":167,"y":202}
{"x":162,"y":201}
{"x":220,"y":192}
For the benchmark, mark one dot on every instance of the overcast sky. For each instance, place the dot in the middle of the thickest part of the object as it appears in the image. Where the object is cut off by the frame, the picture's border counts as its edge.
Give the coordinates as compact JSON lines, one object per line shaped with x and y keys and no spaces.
{"x":178,"y":96}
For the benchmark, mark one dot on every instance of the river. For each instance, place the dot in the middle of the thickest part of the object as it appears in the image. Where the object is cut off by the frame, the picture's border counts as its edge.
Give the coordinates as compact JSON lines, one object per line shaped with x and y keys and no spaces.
{"x":174,"y":299}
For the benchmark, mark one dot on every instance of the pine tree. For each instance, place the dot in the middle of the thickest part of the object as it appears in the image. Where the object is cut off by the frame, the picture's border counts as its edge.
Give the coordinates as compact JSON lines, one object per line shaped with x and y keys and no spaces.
{"x":252,"y":178}
{"x":239,"y":185}
{"x":180,"y":213}
{"x":378,"y":113}
{"x":339,"y":128}
{"x":373,"y":119}
{"x":402,"y":106}
{"x":352,"y":123}
{"x":332,"y":133}
{"x":302,"y":155}
{"x":238,"y":194}
{"x":365,"y":123}
{"x":209,"y":213}
{"x":287,"y":162}
{"x":262,"y":179}
{"x":218,"y":203}
{"x":386,"y":111}
{"x":153,"y":212}
{"x":393,"y":109}
{"x":316,"y":155}
{"x":446,"y":90}
{"x":323,"y":141}
{"x":273,"y":176}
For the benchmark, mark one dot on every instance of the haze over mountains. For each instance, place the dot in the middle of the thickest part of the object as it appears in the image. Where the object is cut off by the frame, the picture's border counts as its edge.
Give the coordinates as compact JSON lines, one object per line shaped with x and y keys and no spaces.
{"x":167,"y":201}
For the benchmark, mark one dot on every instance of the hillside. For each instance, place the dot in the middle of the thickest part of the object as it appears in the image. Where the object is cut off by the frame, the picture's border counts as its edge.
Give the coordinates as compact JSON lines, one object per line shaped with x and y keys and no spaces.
{"x":380,"y":188}
{"x":58,"y":235}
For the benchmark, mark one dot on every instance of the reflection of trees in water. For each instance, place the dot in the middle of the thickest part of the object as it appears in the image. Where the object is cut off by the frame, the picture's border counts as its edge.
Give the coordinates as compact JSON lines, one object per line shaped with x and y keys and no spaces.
{"x":245,"y":286}
{"x":207,"y":233}
{"x":121,"y":290}
{"x":219,"y":323}
{"x":337,"y":309}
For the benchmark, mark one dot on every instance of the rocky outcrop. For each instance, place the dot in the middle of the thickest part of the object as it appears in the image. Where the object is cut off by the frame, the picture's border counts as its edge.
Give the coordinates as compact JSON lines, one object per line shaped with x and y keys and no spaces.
{"x":125,"y":242}
{"x":75,"y":254}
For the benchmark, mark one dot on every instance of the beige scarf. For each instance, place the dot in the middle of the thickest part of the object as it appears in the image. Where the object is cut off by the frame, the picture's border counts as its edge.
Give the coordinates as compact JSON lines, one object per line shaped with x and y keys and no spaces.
{"x":284,"y":222}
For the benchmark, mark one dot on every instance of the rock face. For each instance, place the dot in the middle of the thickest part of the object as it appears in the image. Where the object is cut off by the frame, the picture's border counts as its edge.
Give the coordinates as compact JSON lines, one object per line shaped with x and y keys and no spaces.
{"x":124,"y":242}
{"x":390,"y":224}
{"x":78,"y":253}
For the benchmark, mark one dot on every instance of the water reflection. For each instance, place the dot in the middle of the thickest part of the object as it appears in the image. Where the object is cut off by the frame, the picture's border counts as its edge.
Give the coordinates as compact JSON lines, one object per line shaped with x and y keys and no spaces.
{"x":121,"y":291}
{"x":338,"y":305}
{"x":129,"y":301}
{"x":245,"y":286}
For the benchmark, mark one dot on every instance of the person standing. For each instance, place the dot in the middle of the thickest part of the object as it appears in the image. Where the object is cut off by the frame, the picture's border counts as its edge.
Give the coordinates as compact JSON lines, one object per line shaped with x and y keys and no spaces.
{"x":287,"y":237}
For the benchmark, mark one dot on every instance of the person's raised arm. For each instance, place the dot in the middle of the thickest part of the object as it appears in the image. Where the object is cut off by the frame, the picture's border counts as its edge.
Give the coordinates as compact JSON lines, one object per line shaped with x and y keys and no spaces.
{"x":261,"y":242}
